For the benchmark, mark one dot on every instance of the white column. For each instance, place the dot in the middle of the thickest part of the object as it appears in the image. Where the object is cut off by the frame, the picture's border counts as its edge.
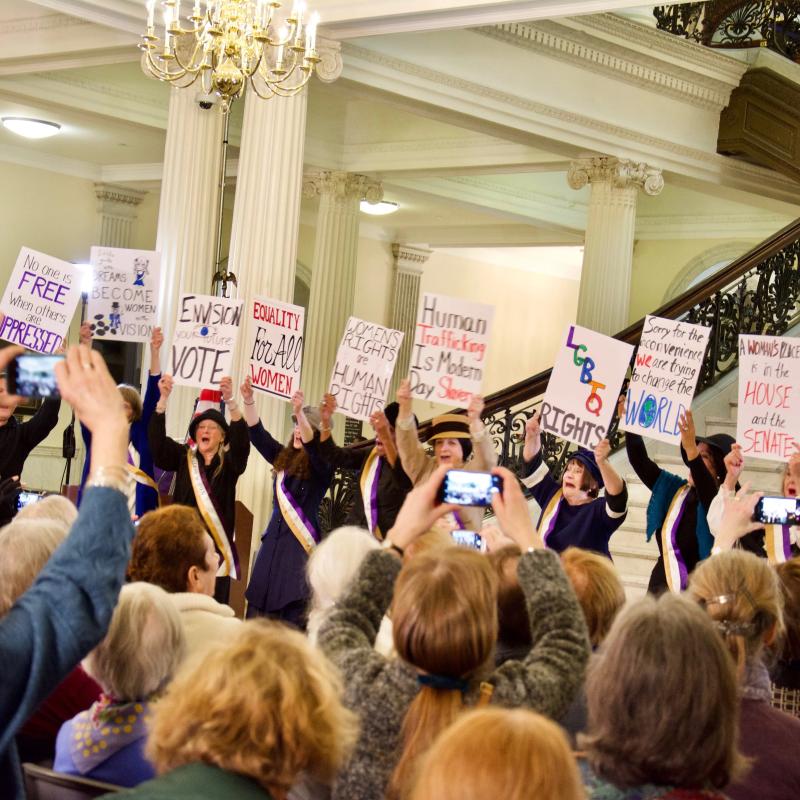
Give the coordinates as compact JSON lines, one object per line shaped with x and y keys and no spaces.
{"x":333,"y":275}
{"x":263,"y":249}
{"x":116,"y":208}
{"x":604,"y":297}
{"x":187,"y":222}
{"x":408,"y":264}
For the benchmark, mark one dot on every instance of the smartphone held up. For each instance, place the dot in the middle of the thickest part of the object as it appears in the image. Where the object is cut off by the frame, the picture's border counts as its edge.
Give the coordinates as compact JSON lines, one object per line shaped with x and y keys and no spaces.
{"x":467,"y":488}
{"x":33,"y":375}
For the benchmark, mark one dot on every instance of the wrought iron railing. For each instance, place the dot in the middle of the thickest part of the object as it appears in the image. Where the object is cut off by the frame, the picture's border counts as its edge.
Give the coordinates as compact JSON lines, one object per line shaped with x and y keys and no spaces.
{"x":757,"y":293}
{"x":734,"y":23}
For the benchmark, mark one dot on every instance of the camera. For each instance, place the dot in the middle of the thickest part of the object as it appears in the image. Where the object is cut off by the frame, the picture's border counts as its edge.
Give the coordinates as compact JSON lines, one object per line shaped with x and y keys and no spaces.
{"x":33,"y":375}
{"x":206,"y":101}
{"x":467,"y":488}
{"x":777,"y":511}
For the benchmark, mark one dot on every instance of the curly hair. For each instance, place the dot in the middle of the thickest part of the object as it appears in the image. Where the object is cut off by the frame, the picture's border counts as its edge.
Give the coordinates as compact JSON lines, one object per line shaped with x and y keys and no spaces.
{"x":265,"y":704}
{"x":294,"y":460}
{"x":168,"y":542}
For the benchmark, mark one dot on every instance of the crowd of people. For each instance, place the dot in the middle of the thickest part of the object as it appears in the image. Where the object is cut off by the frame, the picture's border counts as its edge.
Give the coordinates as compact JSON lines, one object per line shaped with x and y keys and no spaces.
{"x":384,"y":660}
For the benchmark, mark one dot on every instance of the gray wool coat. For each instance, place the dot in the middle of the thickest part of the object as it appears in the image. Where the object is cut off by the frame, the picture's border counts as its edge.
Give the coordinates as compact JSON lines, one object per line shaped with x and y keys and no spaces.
{"x":381,"y":690}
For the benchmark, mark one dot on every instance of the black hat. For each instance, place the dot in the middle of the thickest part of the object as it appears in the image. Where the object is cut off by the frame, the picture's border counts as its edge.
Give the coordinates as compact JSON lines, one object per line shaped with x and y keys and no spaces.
{"x":586,"y":457}
{"x":214,"y":416}
{"x":720,"y":444}
{"x":391,"y":412}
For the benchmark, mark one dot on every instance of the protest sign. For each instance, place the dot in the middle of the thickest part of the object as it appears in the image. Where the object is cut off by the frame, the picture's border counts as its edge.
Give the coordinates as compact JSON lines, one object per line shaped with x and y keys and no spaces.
{"x":448,"y":358}
{"x":584,"y":386}
{"x":124,"y":294}
{"x":275,"y":346}
{"x":364,"y":364}
{"x":204,"y":339}
{"x":768,"y":419}
{"x":668,"y":364}
{"x":39,"y":301}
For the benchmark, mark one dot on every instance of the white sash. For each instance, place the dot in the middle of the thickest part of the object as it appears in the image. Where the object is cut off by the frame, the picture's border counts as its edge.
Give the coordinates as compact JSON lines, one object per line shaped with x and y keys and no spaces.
{"x":549,"y":516}
{"x":209,"y":514}
{"x":777,"y":540}
{"x":674,"y":565}
{"x":293,"y":515}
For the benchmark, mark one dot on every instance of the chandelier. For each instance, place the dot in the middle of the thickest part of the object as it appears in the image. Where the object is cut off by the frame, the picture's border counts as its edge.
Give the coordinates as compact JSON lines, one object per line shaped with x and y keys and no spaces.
{"x":229,"y":44}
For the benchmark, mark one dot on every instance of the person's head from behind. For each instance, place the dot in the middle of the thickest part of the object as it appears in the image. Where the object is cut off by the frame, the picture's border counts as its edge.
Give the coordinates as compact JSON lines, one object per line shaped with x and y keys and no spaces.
{"x":52,"y":507}
{"x":662,"y":699}
{"x":131,"y":401}
{"x":25,"y":547}
{"x":331,"y":567}
{"x":265,"y":705}
{"x":142,"y":648}
{"x":740,"y":592}
{"x":598,"y":588}
{"x":789,"y":579}
{"x":172,"y":549}
{"x":508,"y":754}
{"x":514,"y":625}
{"x":444,"y":616}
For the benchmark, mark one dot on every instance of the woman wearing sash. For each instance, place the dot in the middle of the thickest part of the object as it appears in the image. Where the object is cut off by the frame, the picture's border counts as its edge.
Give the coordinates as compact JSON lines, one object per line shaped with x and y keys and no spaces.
{"x":678,"y":508}
{"x":278,"y":586}
{"x":206,"y":472}
{"x":573,"y":513}
{"x":144,"y":494}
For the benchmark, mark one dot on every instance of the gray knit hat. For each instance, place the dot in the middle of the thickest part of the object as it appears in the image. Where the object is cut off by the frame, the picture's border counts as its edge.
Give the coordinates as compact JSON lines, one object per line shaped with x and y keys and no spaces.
{"x":312,"y":415}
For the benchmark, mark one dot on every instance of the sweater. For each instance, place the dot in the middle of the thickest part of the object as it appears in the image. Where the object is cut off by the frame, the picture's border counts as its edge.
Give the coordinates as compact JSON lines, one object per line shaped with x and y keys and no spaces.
{"x":589,"y":525}
{"x":205,"y":622}
{"x":196,"y":782}
{"x":17,"y":439}
{"x":61,"y":618}
{"x":380,"y":690}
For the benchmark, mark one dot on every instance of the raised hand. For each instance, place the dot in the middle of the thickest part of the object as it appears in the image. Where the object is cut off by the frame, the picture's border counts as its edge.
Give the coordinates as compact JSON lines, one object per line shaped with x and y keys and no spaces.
{"x":380,"y":424}
{"x":602,"y":452}
{"x":246,"y":390}
{"x":326,"y":409}
{"x":533,"y":437}
{"x":734,"y":464}
{"x":737,"y":517}
{"x":165,"y":384}
{"x":512,"y":512}
{"x":688,"y":434}
{"x":156,"y":339}
{"x":404,"y":398}
{"x":226,"y":388}
{"x":475,"y":409}
{"x":298,"y":401}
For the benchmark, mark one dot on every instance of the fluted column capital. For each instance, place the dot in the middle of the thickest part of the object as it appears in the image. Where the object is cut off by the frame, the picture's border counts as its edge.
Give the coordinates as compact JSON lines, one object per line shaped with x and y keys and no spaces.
{"x":342,"y":186}
{"x":331,"y":66}
{"x":409,"y":259}
{"x":621,"y":173}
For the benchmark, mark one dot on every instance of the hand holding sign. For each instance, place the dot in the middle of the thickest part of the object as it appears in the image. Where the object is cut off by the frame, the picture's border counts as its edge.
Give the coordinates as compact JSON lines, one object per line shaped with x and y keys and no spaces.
{"x":165,"y":385}
{"x":688,"y":434}
{"x":247,"y":391}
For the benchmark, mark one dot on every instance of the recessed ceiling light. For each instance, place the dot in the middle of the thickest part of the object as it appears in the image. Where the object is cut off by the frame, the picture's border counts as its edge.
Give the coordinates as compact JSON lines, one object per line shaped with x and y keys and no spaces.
{"x":379,"y":209}
{"x":31,"y":128}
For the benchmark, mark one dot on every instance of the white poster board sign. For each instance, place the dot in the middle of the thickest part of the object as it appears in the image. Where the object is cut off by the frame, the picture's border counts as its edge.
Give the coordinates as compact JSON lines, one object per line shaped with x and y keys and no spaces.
{"x":584,"y":386}
{"x":205,"y":338}
{"x":124,"y":294}
{"x":768,"y":418}
{"x":668,"y":364}
{"x":448,"y":359}
{"x":275,"y":345}
{"x":39,"y":301}
{"x":364,"y":365}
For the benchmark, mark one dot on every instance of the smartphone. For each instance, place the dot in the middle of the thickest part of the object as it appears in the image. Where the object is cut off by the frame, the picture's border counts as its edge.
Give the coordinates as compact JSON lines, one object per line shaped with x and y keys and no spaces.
{"x":26,"y":498}
{"x":467,"y":488}
{"x":33,"y":375}
{"x":777,"y":511}
{"x":468,"y":539}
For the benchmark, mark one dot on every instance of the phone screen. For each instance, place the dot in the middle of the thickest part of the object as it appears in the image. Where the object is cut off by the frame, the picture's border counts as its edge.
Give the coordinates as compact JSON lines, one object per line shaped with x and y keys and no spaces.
{"x":33,"y":375}
{"x":25,"y":498}
{"x":778,"y":511}
{"x":468,"y":539}
{"x":467,"y":488}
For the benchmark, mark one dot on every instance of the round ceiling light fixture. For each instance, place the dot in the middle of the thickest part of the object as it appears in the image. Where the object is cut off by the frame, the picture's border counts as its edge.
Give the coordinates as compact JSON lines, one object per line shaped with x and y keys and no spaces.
{"x":379,"y":209}
{"x":31,"y":128}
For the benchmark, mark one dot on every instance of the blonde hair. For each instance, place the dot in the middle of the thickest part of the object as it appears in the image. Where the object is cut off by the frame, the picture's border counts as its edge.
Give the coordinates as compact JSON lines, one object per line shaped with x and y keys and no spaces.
{"x":53,"y":507}
{"x":444,"y":616}
{"x":650,"y":718}
{"x":598,"y":588}
{"x":25,"y":547}
{"x":331,"y":567}
{"x":264,"y":704}
{"x":143,"y":646}
{"x":741,"y":594}
{"x":509,"y":754}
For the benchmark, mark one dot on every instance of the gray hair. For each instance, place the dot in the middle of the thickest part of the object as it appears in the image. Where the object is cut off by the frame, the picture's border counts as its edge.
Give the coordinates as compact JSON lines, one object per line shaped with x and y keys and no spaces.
{"x":25,"y":547}
{"x":143,"y":647}
{"x":53,"y":507}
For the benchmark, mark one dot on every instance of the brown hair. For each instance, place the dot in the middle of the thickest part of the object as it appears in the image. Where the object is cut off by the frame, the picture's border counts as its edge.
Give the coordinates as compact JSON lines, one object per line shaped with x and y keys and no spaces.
{"x":599,"y":590}
{"x":513,"y":622}
{"x":740,"y":592}
{"x":264,"y":704}
{"x":294,"y":461}
{"x":652,"y":720}
{"x":442,"y":631}
{"x":509,"y":754}
{"x":133,"y":398}
{"x":168,"y":542}
{"x":789,"y":579}
{"x":588,"y":483}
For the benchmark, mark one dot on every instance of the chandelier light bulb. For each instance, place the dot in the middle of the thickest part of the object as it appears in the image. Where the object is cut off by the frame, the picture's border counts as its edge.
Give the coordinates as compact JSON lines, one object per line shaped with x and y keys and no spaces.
{"x":31,"y":128}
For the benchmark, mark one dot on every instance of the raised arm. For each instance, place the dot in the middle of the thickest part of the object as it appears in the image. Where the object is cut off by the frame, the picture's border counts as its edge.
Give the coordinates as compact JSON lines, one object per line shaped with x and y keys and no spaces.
{"x":156,"y":343}
{"x":485,"y":456}
{"x":645,"y":468}
{"x":263,"y":441}
{"x":384,"y":431}
{"x":704,"y":482}
{"x":167,"y":453}
{"x":534,"y":474}
{"x":615,"y":486}
{"x":306,"y":431}
{"x":411,"y":451}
